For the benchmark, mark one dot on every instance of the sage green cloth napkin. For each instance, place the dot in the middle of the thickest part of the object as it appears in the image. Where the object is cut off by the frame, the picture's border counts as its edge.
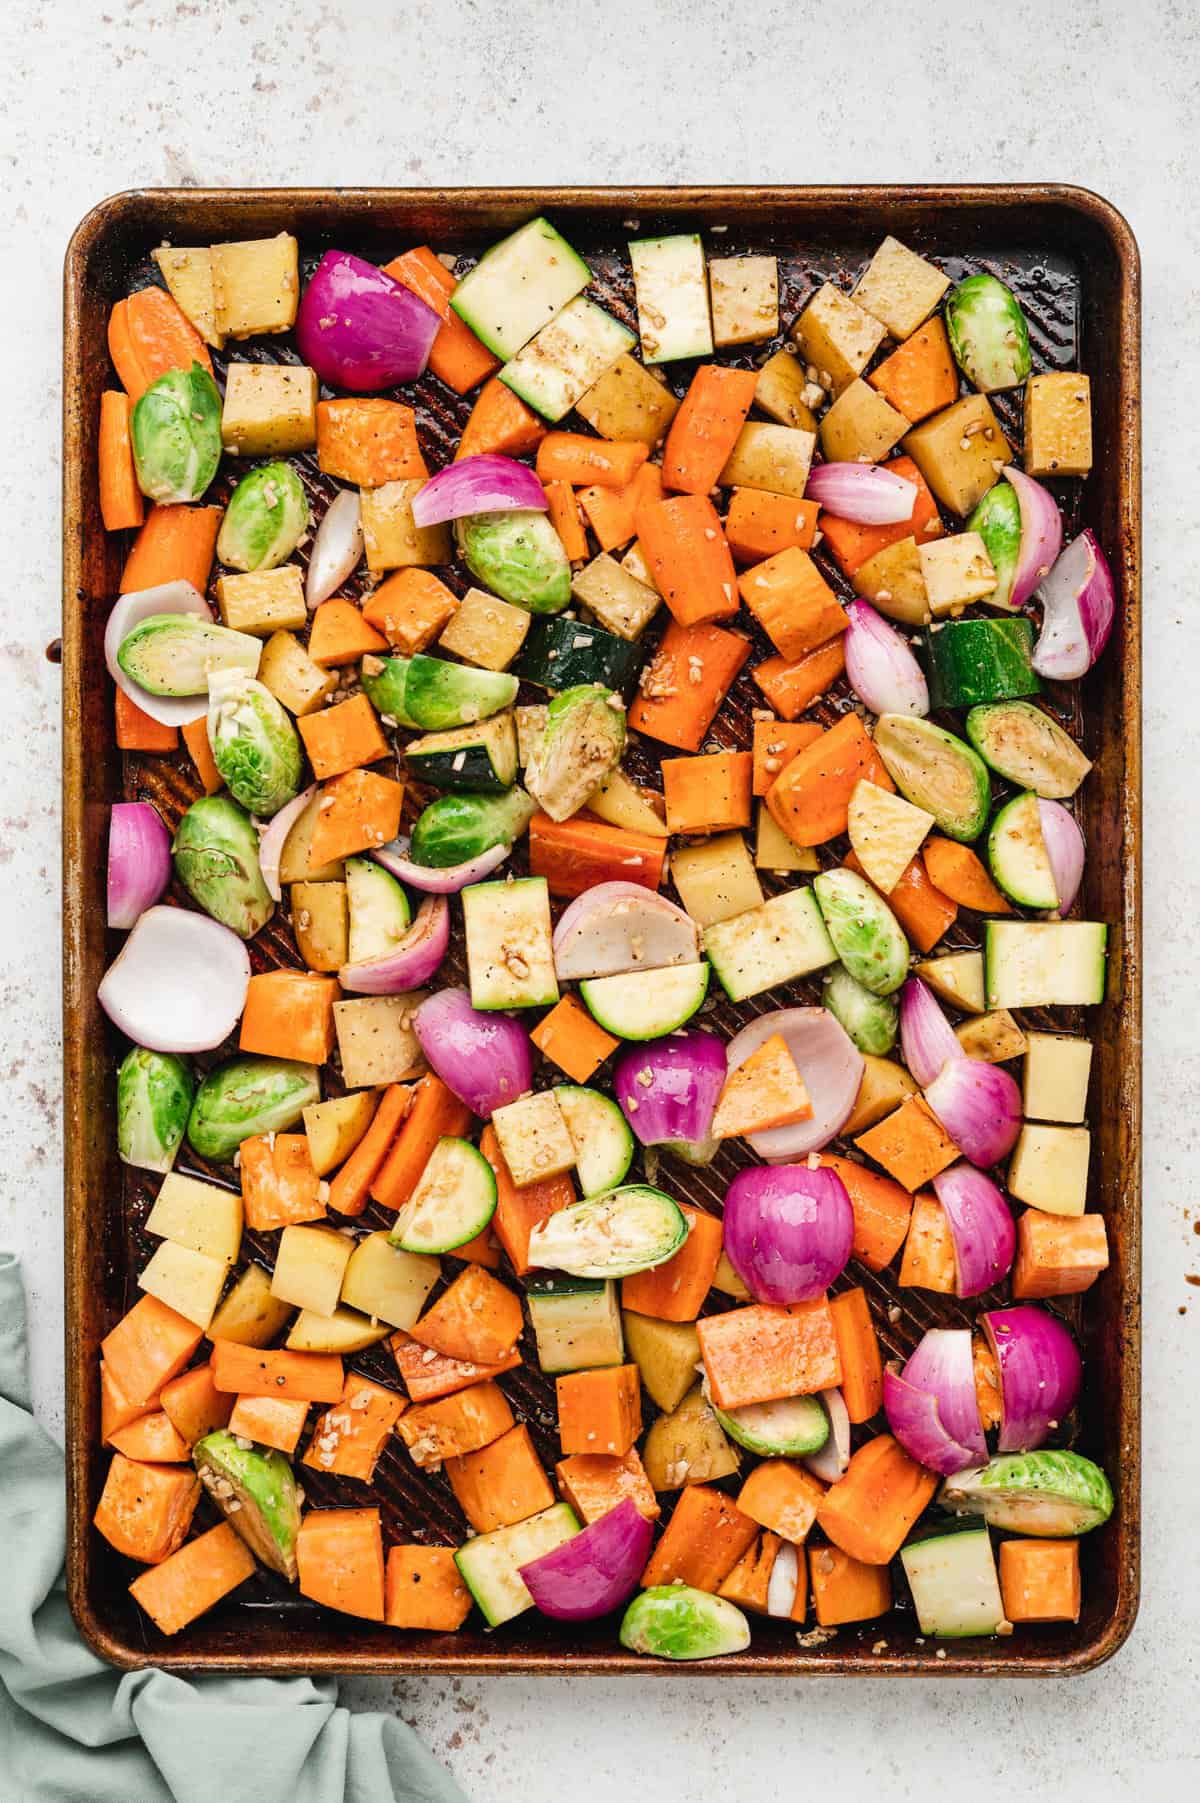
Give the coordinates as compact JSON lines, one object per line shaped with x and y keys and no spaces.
{"x":73,"y":1730}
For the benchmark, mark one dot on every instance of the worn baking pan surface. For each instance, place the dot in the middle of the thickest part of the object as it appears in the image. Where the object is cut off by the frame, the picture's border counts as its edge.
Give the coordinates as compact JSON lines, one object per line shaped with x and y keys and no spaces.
{"x":1073,"y":264}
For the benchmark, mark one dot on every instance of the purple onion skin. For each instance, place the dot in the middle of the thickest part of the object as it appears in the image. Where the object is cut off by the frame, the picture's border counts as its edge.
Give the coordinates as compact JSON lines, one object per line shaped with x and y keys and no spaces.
{"x":594,"y":1572}
{"x":915,"y":1419}
{"x":943,"y":1365}
{"x":359,"y":328}
{"x":676,"y":1107}
{"x":981,"y":1226}
{"x":1041,"y":1373}
{"x":788,"y":1230}
{"x":486,"y":1059}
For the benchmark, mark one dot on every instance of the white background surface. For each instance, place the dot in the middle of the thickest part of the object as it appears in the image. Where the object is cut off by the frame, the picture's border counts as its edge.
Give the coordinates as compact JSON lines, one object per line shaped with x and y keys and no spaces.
{"x":1099,"y":92}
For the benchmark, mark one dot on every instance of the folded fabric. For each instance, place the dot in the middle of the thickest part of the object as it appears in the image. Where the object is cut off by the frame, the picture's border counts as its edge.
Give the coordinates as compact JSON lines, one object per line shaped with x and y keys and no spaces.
{"x":73,"y":1730}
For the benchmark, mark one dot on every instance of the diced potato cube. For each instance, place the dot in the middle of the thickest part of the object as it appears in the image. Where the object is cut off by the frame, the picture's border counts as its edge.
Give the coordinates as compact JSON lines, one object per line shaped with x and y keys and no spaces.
{"x":773,"y":850}
{"x":294,"y":862}
{"x":957,"y":978}
{"x":993,"y":1038}
{"x":291,"y":675}
{"x":188,"y":1281}
{"x":387,"y":1283}
{"x":199,"y":1215}
{"x":1058,"y":424}
{"x":535,"y":1140}
{"x":334,"y":1128}
{"x":961,"y":452}
{"x":188,"y":275}
{"x":344,"y":1331}
{"x":745,"y":299}
{"x":309,"y":1266}
{"x":957,"y":571}
{"x":784,"y":391}
{"x":861,"y":426}
{"x":531,"y":730}
{"x":376,"y":1041}
{"x":270,"y":409}
{"x":1057,"y":1068}
{"x":899,"y":288}
{"x":628,"y":403}
{"x":321,"y":923}
{"x":249,"y":1315}
{"x":777,"y":458}
{"x":263,"y":601}
{"x":1049,"y":1168}
{"x":837,"y":338}
{"x":716,"y":880}
{"x":256,"y":285}
{"x":392,"y":538}
{"x":885,"y":834}
{"x":894,"y":582}
{"x":622,"y":803}
{"x":485,"y":631}
{"x":619,"y":601}
{"x":634,"y":561}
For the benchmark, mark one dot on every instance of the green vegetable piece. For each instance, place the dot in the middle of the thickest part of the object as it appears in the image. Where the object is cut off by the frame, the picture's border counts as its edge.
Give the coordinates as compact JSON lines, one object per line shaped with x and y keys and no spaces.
{"x":255,"y":1489}
{"x":787,"y":1428}
{"x":979,"y":661}
{"x":216,"y":860}
{"x":1054,"y":1495}
{"x":439,"y":695}
{"x":254,"y":744}
{"x":673,"y":1621}
{"x":178,"y":654}
{"x":988,"y":334}
{"x":176,"y":435}
{"x":997,"y":519}
{"x":937,"y":772}
{"x":385,"y":680}
{"x":580,"y":748}
{"x":1025,"y":745}
{"x":246,"y":1097}
{"x":869,"y":1019}
{"x":265,"y":520}
{"x":866,"y":935}
{"x":519,"y":556}
{"x":623,"y":1231}
{"x":154,"y":1095}
{"x":458,"y":827}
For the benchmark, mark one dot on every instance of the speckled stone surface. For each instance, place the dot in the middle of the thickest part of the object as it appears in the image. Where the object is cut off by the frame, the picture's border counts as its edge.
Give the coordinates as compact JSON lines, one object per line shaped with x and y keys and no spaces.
{"x":95,"y":98}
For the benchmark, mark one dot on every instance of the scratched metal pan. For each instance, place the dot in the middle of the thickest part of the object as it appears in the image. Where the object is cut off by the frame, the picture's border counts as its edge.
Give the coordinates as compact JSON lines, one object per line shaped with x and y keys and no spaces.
{"x":1074,"y":263}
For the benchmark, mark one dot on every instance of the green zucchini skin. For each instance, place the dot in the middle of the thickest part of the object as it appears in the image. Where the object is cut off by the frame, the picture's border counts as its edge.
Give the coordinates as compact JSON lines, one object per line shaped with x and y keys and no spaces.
{"x":561,"y":654}
{"x":481,"y":758}
{"x":969,"y":662}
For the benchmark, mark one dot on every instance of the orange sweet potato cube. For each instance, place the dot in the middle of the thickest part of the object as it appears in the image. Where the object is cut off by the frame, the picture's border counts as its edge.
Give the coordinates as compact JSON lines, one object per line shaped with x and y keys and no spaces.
{"x":348,"y":1438}
{"x":570,"y":1038}
{"x":280,"y":1188}
{"x":766,"y":1091}
{"x":423,"y":1589}
{"x":411,"y":608}
{"x":783,"y":1497}
{"x":1039,"y":1580}
{"x":599,"y":1411}
{"x":276,"y":1421}
{"x":844,"y":1589}
{"x":357,"y":812}
{"x":194,"y":1579}
{"x":343,"y":737}
{"x":339,"y":1554}
{"x":289,"y":1014}
{"x":367,"y":440}
{"x":340,"y":634}
{"x":147,"y":1348}
{"x":194,"y":1405}
{"x":675,"y":1291}
{"x":708,"y":794}
{"x":928,"y":1262}
{"x":595,"y":1482}
{"x":1058,"y":1255}
{"x":911,"y":1144}
{"x":501,"y":1483}
{"x":792,"y":602}
{"x":704,"y":1539}
{"x":144,"y":1510}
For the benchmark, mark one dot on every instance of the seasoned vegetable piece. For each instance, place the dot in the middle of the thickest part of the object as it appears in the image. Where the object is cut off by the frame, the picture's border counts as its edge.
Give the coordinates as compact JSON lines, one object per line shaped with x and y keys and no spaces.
{"x":628,"y":403}
{"x":254,"y":744}
{"x":672,"y":297}
{"x":937,"y":772}
{"x":270,"y":409}
{"x":582,"y":745}
{"x":263,"y":1487}
{"x":673,"y":1621}
{"x":519,"y":556}
{"x":518,"y":285}
{"x":988,"y":334}
{"x":612,"y":1235}
{"x":866,"y":934}
{"x":868,"y":1018}
{"x":490,"y":1564}
{"x":1055,"y":1495}
{"x":1029,"y":747}
{"x":176,"y":435}
{"x":566,"y":357}
{"x":960,"y":452}
{"x":899,"y":288}
{"x":970,"y":661}
{"x":248,"y":1096}
{"x":265,"y":520}
{"x":997,"y":520}
{"x":954,"y":1584}
{"x":177,"y":654}
{"x":154,"y":1097}
{"x":215,"y":853}
{"x":836,"y":337}
{"x":1058,"y":424}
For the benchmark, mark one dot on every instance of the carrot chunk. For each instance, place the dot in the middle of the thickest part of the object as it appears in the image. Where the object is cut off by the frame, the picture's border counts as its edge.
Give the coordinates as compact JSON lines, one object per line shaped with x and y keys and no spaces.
{"x":675,"y":1291}
{"x":759,"y":524}
{"x":520,"y":1210}
{"x":704,"y":1539}
{"x":139,"y":731}
{"x":252,"y":1371}
{"x":923,"y":911}
{"x":176,"y":544}
{"x":457,"y":357}
{"x":575,"y":854}
{"x":686,"y":681}
{"x":705,"y":428}
{"x":149,"y":334}
{"x":858,"y":1349}
{"x":193,"y":1580}
{"x":567,"y":520}
{"x":958,"y":873}
{"x":195,"y":737}
{"x":349,"y":1190}
{"x":501,"y":423}
{"x":810,"y":798}
{"x":576,"y":458}
{"x":869,"y":1511}
{"x":852,"y":544}
{"x":845,"y":1590}
{"x":339,"y":1556}
{"x":776,"y":743}
{"x":929,"y":1262}
{"x":612,"y":513}
{"x":684,"y":545}
{"x":599,"y":1411}
{"x":276,"y":1421}
{"x":434,"y":1113}
{"x":749,"y":1583}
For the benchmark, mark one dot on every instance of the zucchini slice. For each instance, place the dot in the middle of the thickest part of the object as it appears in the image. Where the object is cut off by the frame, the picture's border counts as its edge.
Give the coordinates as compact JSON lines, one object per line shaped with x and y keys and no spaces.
{"x":646,"y":1004}
{"x":671,"y":285}
{"x":510,"y":956}
{"x":490,"y":1564}
{"x":972,"y":662}
{"x":614,"y":1235}
{"x":519,"y":285}
{"x":936,"y":771}
{"x":784,"y":939}
{"x":953,"y":1581}
{"x":568,"y":356}
{"x":379,"y":912}
{"x":453,"y":1202}
{"x":1045,"y":963}
{"x":1018,"y":857}
{"x":601,"y":1137}
{"x":482,"y":757}
{"x":576,"y":1322}
{"x":561,"y":654}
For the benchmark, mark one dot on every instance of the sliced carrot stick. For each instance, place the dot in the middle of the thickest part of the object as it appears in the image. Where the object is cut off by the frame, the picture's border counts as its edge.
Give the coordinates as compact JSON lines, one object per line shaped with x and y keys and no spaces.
{"x":923,"y":911}
{"x":519,"y":1211}
{"x":176,"y":544}
{"x":958,"y":873}
{"x":870,"y":1510}
{"x":613,"y":513}
{"x":194,"y":1579}
{"x":252,"y":1371}
{"x":339,"y":1554}
{"x":684,"y":545}
{"x":579,"y":459}
{"x":139,"y":731}
{"x":477,"y":1318}
{"x":675,"y":1291}
{"x":882,"y":1210}
{"x":150,"y":334}
{"x":565,"y":518}
{"x":782,"y":1497}
{"x":457,"y":358}
{"x":705,"y":429}
{"x":500,"y":422}
{"x":705,"y":1538}
{"x":574,"y":854}
{"x":121,"y":502}
{"x":858,"y":1349}
{"x":845,"y":1590}
{"x":776,"y":743}
{"x":195,"y":737}
{"x":686,"y":681}
{"x":810,"y":798}
{"x":349,"y":1190}
{"x":434,"y":1113}
{"x":427,"y":1377}
{"x":791,"y":687}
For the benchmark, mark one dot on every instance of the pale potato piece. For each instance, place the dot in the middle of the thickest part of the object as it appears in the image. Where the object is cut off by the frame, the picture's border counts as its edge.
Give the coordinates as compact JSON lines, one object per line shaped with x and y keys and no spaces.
{"x":249,"y":1315}
{"x":392,"y":538}
{"x":321,"y":923}
{"x":745,"y":299}
{"x":383,"y":1281}
{"x":775,"y":458}
{"x":634,"y":561}
{"x":893,"y":581}
{"x":886,"y":832}
{"x":899,"y":288}
{"x":726,"y":1279}
{"x":961,"y":452}
{"x":263,"y":601}
{"x":957,"y":978}
{"x":199,"y":1215}
{"x":534,"y":1138}
{"x":837,"y":338}
{"x":619,"y":601}
{"x":334,"y":1128}
{"x":1057,"y":1068}
{"x":376,"y":1041}
{"x":1049,"y":1168}
{"x":884,"y":1086}
{"x":342,"y":1331}
{"x":993,"y":1038}
{"x":531,"y":729}
{"x":190,"y":1282}
{"x":622,"y":803}
{"x":717,"y":879}
{"x":292,"y":677}
{"x":1058,"y":424}
{"x":629,"y":403}
{"x":861,"y":426}
{"x":688,"y":1446}
{"x":784,"y":391}
{"x":188,"y":275}
{"x":309,"y":1266}
{"x":957,"y":571}
{"x":270,"y":409}
{"x":294,"y":865}
{"x":773,"y":850}
{"x":256,"y":285}
{"x":485,"y":631}
{"x":666,"y":1354}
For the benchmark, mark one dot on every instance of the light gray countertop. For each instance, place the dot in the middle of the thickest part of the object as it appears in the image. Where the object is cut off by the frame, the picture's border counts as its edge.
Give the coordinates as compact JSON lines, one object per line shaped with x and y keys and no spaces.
{"x":164,"y":92}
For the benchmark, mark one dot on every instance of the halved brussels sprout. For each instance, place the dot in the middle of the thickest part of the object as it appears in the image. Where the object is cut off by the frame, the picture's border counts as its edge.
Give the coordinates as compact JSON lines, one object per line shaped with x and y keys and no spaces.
{"x":1050,"y":1494}
{"x":265,"y":520}
{"x":673,"y":1621}
{"x":154,"y":1095}
{"x":867,"y":936}
{"x":456,"y":828}
{"x":254,"y":744}
{"x":519,"y":556}
{"x":247,"y":1097}
{"x":581,"y":746}
{"x":988,"y":334}
{"x":626,"y":1230}
{"x":255,"y":1489}
{"x":216,"y":859}
{"x":178,"y":654}
{"x":870,"y":1020}
{"x":997,"y":519}
{"x":176,"y":435}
